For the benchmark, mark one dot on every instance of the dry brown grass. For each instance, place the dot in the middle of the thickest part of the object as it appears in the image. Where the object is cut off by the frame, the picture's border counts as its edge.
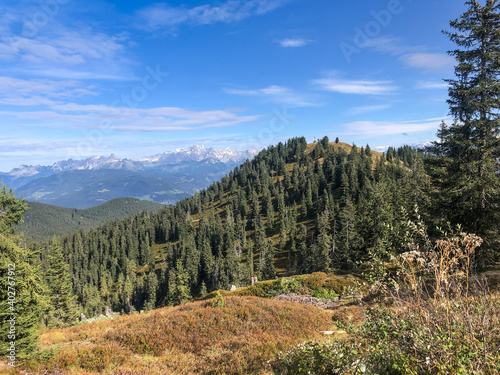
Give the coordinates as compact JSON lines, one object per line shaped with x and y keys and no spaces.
{"x":195,"y":338}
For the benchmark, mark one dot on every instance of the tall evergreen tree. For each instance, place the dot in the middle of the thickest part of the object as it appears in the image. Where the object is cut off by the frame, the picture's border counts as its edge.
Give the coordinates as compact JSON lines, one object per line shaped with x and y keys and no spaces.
{"x":471,"y":144}
{"x":182,"y":292}
{"x":18,"y":270}
{"x":324,"y":242}
{"x":151,"y":290}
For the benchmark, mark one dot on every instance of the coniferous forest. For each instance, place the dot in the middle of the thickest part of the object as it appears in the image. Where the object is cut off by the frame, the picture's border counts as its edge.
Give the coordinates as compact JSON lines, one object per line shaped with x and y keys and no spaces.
{"x":296,"y":208}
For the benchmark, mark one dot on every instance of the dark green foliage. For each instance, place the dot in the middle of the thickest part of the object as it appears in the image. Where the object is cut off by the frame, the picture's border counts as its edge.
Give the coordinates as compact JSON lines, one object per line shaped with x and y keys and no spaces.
{"x":43,"y":221}
{"x":11,"y":210}
{"x":466,"y":166}
{"x":62,"y":309}
{"x":24,"y":279}
{"x":181,"y":293}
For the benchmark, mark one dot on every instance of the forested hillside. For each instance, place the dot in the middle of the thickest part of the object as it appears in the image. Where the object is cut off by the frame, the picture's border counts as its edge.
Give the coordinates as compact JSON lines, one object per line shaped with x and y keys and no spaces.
{"x":43,"y":221}
{"x":296,"y":208}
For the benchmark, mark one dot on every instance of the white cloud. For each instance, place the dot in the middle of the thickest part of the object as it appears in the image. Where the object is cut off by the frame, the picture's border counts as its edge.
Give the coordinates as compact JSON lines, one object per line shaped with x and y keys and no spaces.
{"x":57,"y":49}
{"x":291,"y":43}
{"x":382,"y":128}
{"x":428,"y":61}
{"x":431,"y":85}
{"x":124,"y":119}
{"x":411,"y":56}
{"x":394,"y":46}
{"x":160,"y":16}
{"x":356,"y":87}
{"x":381,"y":148}
{"x":21,"y":92}
{"x":68,"y":48}
{"x":277,"y":94}
{"x":369,"y":108}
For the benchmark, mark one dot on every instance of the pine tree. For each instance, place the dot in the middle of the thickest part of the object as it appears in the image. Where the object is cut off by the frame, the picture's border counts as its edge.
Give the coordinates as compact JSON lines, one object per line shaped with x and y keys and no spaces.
{"x":302,"y":259}
{"x":249,"y":262}
{"x":182,"y":292}
{"x":266,"y":266}
{"x":63,"y":310}
{"x":152,"y":286}
{"x":471,"y":143}
{"x":172,"y":287}
{"x":324,"y":242}
{"x":25,"y":279}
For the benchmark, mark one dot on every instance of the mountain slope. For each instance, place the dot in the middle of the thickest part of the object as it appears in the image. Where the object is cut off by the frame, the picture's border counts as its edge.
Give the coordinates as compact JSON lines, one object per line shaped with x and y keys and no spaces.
{"x":42,"y":221}
{"x":88,"y":188}
{"x":196,"y":338}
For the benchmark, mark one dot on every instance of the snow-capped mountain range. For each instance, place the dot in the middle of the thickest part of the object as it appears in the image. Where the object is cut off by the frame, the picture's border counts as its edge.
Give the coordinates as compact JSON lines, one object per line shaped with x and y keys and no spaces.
{"x":164,"y":178}
{"x":180,"y":155}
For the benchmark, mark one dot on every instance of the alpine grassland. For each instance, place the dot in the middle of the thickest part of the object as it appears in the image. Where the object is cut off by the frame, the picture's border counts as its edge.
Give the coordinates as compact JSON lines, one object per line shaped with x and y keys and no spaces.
{"x":237,"y":336}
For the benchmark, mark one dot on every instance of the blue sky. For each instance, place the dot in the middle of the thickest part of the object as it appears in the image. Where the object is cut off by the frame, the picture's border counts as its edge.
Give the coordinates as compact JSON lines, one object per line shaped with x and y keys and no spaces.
{"x":136,"y":78}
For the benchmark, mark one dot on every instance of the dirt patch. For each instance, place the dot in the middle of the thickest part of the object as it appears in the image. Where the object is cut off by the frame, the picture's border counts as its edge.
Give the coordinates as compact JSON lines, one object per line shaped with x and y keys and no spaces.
{"x":323,"y":303}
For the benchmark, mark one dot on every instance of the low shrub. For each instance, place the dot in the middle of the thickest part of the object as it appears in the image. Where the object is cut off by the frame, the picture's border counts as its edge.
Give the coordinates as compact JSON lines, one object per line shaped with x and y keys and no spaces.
{"x":321,"y":358}
{"x":313,"y":281}
{"x":218,"y":300}
{"x":325,"y":293}
{"x":92,"y":358}
{"x":346,"y":316}
{"x":337,"y":284}
{"x":284,"y":285}
{"x":251,"y":291}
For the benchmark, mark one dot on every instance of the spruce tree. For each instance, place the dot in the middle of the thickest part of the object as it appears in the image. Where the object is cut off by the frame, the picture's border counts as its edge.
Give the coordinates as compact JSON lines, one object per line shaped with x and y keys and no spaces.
{"x":266,"y":266}
{"x":20,"y":273}
{"x":182,"y":292}
{"x":63,"y":310}
{"x":324,"y":242}
{"x":471,"y":144}
{"x":152,"y":287}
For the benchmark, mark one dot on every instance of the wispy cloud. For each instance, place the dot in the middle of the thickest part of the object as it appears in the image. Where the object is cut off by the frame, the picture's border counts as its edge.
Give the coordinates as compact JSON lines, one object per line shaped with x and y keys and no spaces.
{"x":278,"y":94}
{"x":356,"y":87}
{"x":69,"y":48}
{"x":382,"y":128}
{"x":32,"y":92}
{"x":163,"y":16}
{"x":431,"y":85}
{"x":369,"y":108}
{"x":58,"y":49}
{"x":293,"y":43}
{"x":394,"y":46}
{"x":428,"y":61}
{"x":412,"y":56}
{"x":122,"y":119}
